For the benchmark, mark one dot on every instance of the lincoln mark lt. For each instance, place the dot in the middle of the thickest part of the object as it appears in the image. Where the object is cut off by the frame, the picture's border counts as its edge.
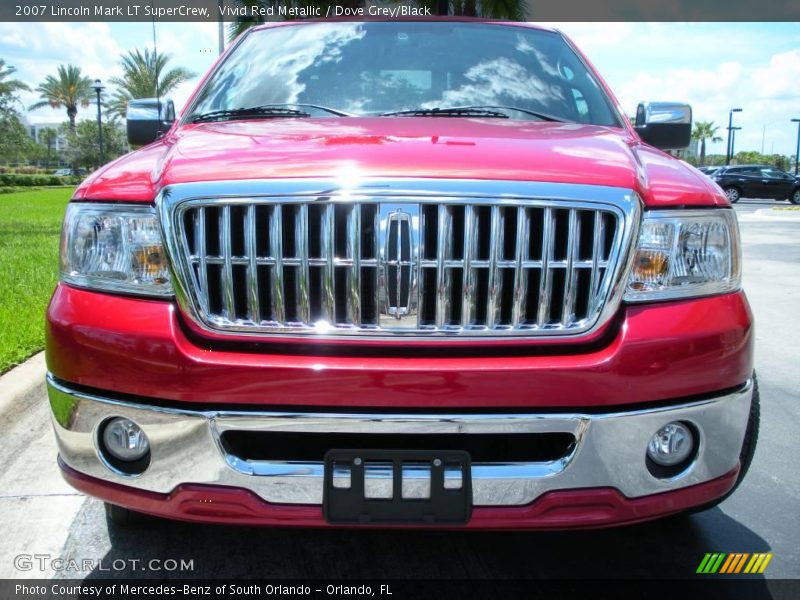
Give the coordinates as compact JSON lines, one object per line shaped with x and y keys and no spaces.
{"x":415,"y":273}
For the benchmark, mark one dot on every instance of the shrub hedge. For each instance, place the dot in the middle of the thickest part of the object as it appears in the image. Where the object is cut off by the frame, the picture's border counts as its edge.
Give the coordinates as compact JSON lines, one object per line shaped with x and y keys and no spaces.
{"x":15,"y":189}
{"x":26,"y":169}
{"x":25,"y":180}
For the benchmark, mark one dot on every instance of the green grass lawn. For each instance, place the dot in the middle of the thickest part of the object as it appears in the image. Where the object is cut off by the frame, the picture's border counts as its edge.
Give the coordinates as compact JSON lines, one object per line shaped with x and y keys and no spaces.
{"x":30,"y":224}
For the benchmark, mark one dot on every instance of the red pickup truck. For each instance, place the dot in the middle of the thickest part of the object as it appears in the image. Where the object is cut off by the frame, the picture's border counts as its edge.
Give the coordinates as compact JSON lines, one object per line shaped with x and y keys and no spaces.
{"x":407,"y":273}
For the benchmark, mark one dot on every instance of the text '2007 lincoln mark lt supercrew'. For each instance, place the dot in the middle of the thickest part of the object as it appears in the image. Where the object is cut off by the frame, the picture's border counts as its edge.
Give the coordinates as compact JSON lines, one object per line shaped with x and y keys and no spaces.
{"x":416,"y":273}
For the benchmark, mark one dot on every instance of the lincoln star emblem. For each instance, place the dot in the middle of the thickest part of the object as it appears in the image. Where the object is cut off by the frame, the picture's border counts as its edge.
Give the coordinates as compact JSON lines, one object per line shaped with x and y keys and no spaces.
{"x":399,"y":262}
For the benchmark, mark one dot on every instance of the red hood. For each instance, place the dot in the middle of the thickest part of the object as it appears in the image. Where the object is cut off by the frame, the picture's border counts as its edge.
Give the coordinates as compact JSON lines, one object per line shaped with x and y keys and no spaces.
{"x":403,"y":147}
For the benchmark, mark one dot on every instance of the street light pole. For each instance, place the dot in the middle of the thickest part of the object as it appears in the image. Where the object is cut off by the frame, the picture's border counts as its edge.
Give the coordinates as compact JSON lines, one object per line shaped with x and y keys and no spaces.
{"x":98,"y":88}
{"x":729,"y":150}
{"x":221,"y":29}
{"x":797,"y":150}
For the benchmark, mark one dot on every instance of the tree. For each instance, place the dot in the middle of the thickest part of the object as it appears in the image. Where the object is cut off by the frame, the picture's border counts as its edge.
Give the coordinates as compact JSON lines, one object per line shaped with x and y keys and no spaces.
{"x":48,"y":138}
{"x":511,"y":10}
{"x":704,"y":130}
{"x":10,"y":87}
{"x":83,"y":147}
{"x":143,"y":76}
{"x":69,"y":90}
{"x":16,"y":144}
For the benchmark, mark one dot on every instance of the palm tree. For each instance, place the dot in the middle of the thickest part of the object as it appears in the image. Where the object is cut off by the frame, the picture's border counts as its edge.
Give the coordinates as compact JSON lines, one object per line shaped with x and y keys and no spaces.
{"x":9,"y":87}
{"x":704,"y":130}
{"x":512,"y":10}
{"x":144,"y":76}
{"x":242,"y":24}
{"x":68,"y":90}
{"x":48,"y":137}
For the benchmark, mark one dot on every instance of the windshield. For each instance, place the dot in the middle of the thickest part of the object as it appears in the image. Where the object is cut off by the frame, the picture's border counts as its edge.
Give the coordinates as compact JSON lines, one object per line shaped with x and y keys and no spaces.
{"x":375,"y":68}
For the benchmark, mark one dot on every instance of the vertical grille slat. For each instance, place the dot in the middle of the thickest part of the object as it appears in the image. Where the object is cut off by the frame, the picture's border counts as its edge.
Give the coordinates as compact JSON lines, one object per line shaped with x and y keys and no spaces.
{"x":470,"y":251}
{"x":374,"y":266}
{"x":443,"y":253}
{"x":546,"y":280}
{"x":253,"y":303}
{"x":573,"y":244}
{"x":227,"y":268}
{"x":520,"y":272}
{"x":328,"y":240}
{"x":301,"y":240}
{"x":596,"y":253}
{"x":200,"y":251}
{"x":276,"y":254}
{"x":354,"y":273}
{"x":495,"y":277}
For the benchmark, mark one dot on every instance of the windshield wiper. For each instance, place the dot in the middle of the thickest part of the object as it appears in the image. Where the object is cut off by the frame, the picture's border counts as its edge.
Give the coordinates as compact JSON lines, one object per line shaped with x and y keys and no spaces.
{"x":494,"y":112}
{"x":458,"y":111}
{"x":267,"y":112}
{"x":534,"y":113}
{"x":332,"y":111}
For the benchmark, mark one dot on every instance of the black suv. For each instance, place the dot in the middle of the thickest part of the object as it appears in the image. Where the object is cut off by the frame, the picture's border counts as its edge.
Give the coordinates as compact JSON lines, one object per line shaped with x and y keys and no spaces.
{"x":757,"y":181}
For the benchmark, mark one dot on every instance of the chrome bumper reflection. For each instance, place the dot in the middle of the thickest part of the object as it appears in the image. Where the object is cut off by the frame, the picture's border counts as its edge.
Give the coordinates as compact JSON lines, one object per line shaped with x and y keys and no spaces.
{"x":609,"y":449}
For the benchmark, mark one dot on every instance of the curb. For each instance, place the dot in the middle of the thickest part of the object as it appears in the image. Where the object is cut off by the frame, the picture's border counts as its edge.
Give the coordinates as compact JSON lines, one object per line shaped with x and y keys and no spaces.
{"x":20,"y":381}
{"x":770,"y":214}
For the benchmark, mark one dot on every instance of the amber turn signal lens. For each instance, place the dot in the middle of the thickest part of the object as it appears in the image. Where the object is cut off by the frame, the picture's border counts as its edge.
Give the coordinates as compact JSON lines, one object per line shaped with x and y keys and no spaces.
{"x":649,"y":266}
{"x":148,"y":263}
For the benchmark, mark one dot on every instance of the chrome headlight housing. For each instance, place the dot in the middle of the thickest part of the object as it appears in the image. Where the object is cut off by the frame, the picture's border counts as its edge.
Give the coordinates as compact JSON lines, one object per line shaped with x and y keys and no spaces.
{"x":685,"y":253}
{"x":115,"y":248}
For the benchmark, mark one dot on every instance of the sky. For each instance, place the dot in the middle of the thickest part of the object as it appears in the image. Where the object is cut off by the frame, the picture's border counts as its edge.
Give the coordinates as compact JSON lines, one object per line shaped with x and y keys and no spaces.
{"x":712,"y":66}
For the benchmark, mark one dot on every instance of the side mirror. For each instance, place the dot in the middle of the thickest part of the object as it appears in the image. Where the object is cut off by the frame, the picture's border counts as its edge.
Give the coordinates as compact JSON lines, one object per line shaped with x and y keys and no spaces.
{"x":665,"y":125}
{"x":147,"y":119}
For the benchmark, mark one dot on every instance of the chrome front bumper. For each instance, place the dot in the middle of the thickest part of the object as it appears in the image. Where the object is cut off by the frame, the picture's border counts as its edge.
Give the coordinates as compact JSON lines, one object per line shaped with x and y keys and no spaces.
{"x":609,"y":450}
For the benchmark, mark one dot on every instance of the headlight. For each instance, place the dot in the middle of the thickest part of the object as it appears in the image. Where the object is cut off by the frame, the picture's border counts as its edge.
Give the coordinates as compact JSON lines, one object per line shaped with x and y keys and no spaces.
{"x":115,"y":248}
{"x":685,"y":253}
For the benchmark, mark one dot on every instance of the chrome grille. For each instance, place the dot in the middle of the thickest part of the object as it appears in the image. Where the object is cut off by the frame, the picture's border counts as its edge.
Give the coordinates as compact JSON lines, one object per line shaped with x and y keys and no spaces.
{"x":386,"y":264}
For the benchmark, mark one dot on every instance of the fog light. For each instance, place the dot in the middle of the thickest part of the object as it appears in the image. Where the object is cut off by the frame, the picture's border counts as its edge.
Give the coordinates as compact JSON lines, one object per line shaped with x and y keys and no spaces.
{"x":671,"y":445}
{"x":125,"y":440}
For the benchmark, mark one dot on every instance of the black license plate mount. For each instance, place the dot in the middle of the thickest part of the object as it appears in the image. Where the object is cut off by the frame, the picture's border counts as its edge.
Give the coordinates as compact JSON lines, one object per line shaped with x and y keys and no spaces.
{"x":386,"y":487}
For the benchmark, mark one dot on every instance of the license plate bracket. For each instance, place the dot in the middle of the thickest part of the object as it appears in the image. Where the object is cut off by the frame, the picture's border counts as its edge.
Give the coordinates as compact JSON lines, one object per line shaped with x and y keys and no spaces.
{"x":420,"y":487}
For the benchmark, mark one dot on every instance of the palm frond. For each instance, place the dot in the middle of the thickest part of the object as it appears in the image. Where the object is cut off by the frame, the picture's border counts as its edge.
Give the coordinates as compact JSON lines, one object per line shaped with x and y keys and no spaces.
{"x":145,"y":74}
{"x":9,"y":87}
{"x":68,"y":89}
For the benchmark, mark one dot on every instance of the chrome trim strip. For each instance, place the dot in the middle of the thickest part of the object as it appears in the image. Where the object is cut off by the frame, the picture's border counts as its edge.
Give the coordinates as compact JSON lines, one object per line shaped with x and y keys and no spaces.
{"x":495,"y":250}
{"x":276,"y":250}
{"x":253,"y":305}
{"x":596,"y":251}
{"x":200,"y":233}
{"x":328,"y":241}
{"x":469,"y":299}
{"x":520,"y":274}
{"x":301,"y":237}
{"x":573,"y":244}
{"x":545,"y":282}
{"x":625,"y":204}
{"x":609,"y":451}
{"x":443,"y":280}
{"x":354,"y":274}
{"x":227,"y":269}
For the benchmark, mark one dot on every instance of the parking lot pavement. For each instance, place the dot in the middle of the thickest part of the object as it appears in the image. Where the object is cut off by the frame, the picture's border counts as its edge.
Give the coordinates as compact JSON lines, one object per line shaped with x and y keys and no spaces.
{"x":760,"y":517}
